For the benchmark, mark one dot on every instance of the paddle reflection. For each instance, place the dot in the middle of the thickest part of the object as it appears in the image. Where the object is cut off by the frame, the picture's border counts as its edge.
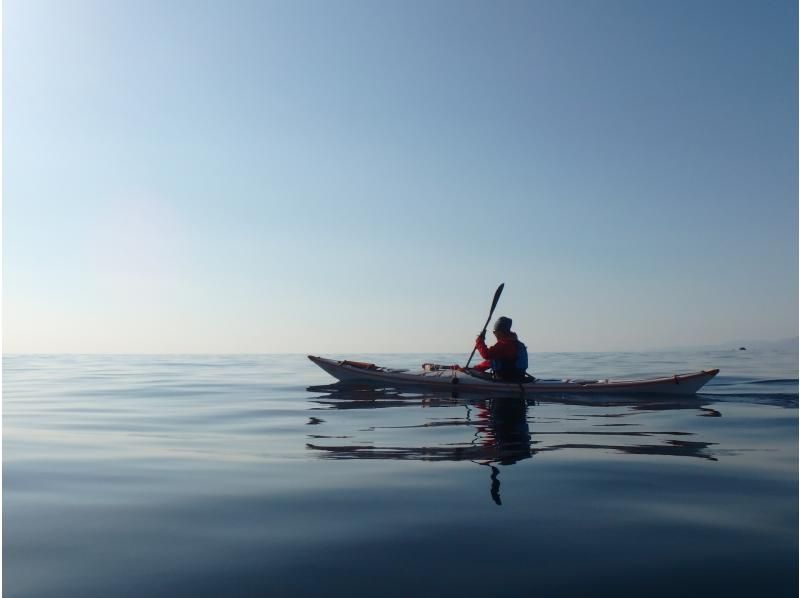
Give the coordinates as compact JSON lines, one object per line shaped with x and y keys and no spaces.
{"x":498,"y":429}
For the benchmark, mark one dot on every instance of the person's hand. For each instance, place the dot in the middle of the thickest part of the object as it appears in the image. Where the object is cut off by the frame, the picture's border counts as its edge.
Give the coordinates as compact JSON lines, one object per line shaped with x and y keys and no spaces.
{"x":481,"y":336}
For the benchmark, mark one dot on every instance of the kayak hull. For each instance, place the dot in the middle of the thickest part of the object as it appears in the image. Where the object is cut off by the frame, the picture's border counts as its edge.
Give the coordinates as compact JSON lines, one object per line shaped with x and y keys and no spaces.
{"x":449,"y":380}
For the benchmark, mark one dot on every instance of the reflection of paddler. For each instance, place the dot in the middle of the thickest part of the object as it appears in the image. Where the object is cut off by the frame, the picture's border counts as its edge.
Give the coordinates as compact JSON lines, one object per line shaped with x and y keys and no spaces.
{"x":504,"y":427}
{"x":503,"y":430}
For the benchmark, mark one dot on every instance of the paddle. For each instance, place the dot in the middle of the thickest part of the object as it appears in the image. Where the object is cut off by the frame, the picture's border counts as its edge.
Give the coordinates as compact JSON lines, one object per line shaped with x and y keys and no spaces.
{"x":491,"y":311}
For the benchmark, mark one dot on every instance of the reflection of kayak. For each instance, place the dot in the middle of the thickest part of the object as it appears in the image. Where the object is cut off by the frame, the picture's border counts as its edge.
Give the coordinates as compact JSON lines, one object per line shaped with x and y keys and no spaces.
{"x":448,"y":379}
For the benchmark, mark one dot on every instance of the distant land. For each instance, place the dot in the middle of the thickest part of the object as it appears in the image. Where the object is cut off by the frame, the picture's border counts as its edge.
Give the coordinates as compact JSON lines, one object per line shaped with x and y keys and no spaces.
{"x":783,"y":344}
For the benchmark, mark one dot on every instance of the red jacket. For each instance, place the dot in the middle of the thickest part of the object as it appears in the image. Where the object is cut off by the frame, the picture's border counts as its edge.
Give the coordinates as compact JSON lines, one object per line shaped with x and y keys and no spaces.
{"x":505,"y":349}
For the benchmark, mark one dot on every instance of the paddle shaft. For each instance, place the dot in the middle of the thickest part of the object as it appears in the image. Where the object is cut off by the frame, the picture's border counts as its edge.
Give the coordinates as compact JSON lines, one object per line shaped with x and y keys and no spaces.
{"x":491,"y":311}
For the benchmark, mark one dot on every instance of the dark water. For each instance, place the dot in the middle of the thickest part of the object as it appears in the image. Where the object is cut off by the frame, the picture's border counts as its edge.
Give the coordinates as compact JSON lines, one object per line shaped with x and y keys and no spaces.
{"x":224,"y":476}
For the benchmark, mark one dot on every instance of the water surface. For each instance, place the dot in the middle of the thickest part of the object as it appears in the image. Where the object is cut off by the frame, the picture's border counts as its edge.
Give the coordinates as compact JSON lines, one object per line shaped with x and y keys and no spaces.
{"x":225,"y":475}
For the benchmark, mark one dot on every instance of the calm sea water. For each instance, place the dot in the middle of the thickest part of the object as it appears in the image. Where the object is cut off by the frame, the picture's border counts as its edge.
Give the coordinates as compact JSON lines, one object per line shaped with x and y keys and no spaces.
{"x":226,"y":476}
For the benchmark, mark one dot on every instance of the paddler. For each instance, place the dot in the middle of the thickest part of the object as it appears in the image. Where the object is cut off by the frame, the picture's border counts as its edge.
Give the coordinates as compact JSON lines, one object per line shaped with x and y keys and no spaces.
{"x":508,"y":358}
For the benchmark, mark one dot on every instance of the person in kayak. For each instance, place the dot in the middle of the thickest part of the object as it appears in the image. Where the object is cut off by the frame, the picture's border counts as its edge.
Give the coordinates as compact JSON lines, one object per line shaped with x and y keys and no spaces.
{"x":508,"y":358}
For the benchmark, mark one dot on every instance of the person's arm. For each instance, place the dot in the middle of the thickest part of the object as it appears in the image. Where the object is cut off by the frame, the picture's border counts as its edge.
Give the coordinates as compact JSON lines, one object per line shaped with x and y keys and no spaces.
{"x":483,"y":350}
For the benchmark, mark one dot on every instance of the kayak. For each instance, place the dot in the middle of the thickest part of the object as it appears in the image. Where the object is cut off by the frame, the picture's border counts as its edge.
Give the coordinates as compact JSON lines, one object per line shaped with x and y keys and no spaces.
{"x":450,"y":379}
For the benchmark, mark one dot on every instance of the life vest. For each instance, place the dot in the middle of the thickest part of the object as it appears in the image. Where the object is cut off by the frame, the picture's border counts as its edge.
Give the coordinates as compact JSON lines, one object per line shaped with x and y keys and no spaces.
{"x":512,"y":370}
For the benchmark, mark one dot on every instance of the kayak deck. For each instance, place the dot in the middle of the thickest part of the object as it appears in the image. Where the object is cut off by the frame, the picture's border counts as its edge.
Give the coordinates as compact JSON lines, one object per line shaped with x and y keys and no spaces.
{"x":446,"y":378}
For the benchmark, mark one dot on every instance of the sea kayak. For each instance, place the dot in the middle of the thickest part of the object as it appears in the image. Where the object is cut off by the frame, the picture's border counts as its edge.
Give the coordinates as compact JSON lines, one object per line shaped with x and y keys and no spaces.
{"x":449,"y":379}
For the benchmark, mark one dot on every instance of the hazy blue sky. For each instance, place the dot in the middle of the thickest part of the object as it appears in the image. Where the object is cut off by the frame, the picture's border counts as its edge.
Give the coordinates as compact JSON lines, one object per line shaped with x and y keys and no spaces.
{"x":336,"y":176}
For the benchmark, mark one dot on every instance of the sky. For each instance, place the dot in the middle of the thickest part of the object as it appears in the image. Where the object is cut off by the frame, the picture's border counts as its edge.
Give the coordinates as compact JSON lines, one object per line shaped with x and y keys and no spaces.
{"x":201,"y":176}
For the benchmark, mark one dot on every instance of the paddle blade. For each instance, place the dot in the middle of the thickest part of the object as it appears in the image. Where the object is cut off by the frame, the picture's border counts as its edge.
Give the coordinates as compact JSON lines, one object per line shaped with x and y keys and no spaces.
{"x":497,"y":294}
